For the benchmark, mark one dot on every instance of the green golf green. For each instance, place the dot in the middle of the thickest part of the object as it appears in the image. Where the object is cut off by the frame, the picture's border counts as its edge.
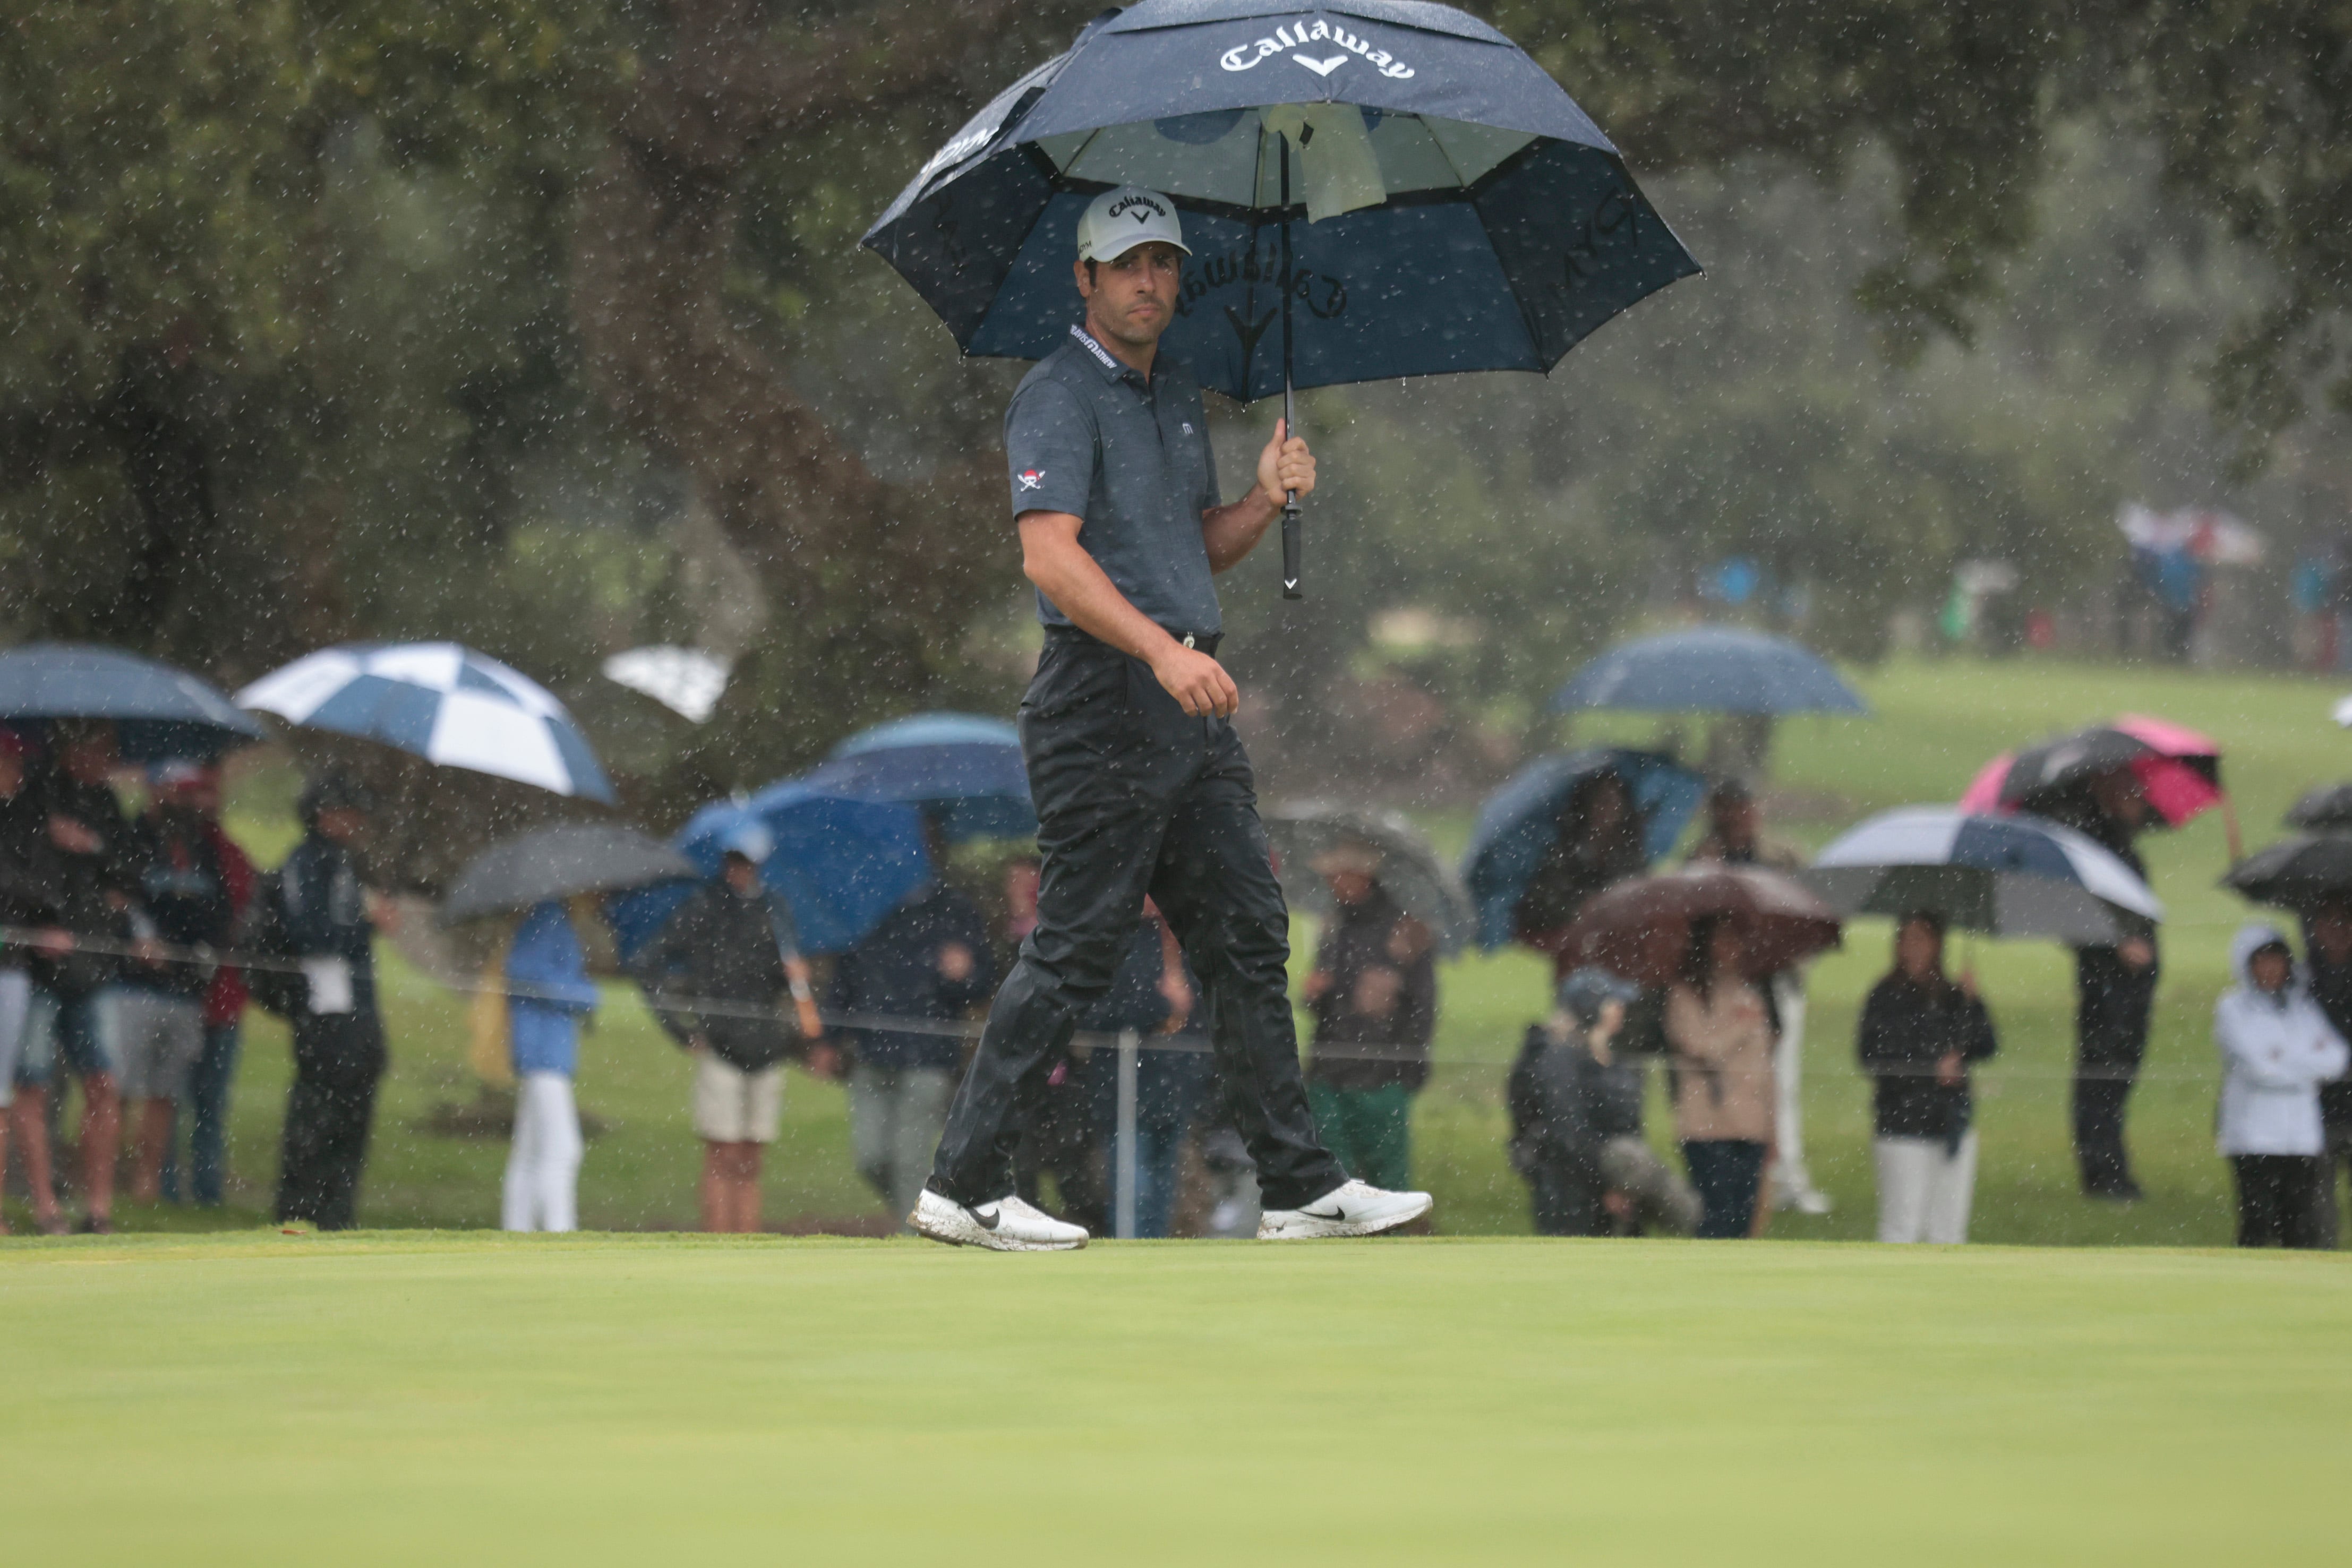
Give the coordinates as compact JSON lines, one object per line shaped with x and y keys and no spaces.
{"x":428,"y":1397}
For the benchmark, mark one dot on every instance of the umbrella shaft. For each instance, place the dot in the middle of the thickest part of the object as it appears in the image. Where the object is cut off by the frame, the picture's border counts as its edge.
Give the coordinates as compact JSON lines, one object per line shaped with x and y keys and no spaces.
{"x":1293,"y":528}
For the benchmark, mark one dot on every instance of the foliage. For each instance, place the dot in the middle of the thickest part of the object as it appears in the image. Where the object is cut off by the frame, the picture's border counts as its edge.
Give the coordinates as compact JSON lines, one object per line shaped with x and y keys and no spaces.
{"x":324,"y":320}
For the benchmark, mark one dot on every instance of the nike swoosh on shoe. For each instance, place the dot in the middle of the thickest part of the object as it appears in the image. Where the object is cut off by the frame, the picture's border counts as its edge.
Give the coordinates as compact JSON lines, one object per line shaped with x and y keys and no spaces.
{"x":985,"y":1221}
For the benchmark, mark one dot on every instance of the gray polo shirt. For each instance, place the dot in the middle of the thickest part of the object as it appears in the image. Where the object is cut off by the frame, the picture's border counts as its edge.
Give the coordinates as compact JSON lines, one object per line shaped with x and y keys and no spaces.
{"x":1087,"y":435}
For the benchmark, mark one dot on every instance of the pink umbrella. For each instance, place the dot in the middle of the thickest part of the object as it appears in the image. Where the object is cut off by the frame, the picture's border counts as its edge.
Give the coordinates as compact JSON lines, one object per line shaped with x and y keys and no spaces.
{"x":2179,"y":769}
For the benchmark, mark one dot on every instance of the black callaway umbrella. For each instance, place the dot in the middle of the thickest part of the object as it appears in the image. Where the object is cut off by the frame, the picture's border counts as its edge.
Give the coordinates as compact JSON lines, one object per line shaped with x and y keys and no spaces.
{"x":1460,"y":211}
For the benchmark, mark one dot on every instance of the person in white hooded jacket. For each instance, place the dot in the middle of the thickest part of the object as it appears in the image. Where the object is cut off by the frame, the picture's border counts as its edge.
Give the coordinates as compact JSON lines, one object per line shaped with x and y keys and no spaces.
{"x":2277,"y":1048}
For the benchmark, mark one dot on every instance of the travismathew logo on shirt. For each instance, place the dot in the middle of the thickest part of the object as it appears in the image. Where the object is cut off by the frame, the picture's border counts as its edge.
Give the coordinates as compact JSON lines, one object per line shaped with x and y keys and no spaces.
{"x":1097,"y":349}
{"x":1302,"y":35}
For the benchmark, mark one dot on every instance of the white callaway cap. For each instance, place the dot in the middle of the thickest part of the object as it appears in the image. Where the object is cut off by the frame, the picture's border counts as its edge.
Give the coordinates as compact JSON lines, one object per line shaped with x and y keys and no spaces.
{"x":1118,"y":220}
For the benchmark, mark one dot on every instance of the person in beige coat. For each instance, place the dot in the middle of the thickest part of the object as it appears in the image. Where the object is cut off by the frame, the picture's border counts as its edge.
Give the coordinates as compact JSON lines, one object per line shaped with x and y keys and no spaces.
{"x":1719,"y":1043}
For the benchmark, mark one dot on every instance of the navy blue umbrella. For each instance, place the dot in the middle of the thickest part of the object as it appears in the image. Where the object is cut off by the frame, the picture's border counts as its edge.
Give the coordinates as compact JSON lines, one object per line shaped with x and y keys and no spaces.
{"x":1518,"y":821}
{"x":1710,"y":669}
{"x":841,"y":864}
{"x":1462,"y":213}
{"x":964,"y":769}
{"x":158,"y":712}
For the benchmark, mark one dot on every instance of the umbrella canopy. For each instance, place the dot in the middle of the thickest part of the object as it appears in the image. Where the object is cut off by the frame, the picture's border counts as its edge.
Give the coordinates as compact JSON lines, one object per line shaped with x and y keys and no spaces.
{"x":1460,"y":211}
{"x":442,"y":702}
{"x":1517,"y":822}
{"x":841,"y":864}
{"x":686,"y":681}
{"x":1410,"y":869}
{"x":2011,"y":876}
{"x":1640,"y":929}
{"x":1710,"y":669}
{"x":2179,"y":769}
{"x":964,"y":769}
{"x":1464,"y":213}
{"x":559,"y":863}
{"x":2323,"y":810}
{"x":2298,"y":873}
{"x":158,"y":712}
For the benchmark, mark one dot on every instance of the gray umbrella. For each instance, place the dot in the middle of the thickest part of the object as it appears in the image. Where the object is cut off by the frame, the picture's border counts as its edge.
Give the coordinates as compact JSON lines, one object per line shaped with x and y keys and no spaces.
{"x":559,"y":863}
{"x":1410,"y":869}
{"x":158,"y":711}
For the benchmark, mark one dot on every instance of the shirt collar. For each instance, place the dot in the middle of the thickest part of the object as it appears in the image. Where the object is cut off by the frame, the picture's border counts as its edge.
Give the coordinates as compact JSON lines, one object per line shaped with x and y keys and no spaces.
{"x":1109,"y":363}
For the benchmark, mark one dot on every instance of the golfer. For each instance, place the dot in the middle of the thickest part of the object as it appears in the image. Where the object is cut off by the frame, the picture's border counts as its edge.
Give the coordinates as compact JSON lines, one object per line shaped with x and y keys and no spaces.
{"x":1141,"y":784}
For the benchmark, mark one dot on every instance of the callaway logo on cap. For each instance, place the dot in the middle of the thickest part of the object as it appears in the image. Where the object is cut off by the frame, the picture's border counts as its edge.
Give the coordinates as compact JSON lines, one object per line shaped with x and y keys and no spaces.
{"x":1118,"y":220}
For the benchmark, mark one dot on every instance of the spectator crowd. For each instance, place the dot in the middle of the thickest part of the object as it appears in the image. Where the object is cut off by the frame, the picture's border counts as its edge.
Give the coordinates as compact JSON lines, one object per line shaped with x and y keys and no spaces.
{"x":133,"y":943}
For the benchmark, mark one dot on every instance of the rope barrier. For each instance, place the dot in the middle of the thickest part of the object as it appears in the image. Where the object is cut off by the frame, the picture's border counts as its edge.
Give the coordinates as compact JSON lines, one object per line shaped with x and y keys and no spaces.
{"x":155,"y":951}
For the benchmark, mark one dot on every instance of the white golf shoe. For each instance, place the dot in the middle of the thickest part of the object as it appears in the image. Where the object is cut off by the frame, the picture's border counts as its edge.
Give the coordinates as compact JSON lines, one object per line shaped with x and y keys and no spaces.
{"x":1008,"y":1225}
{"x":1353,"y":1208}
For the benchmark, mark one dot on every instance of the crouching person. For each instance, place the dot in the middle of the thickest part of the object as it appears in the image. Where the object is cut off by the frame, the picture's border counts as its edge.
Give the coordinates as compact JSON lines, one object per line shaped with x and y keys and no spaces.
{"x":2277,"y":1048}
{"x":1576,"y":1123}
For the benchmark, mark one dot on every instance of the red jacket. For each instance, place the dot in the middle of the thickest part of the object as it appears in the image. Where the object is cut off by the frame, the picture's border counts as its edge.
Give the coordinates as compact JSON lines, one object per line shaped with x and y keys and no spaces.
{"x":225,"y":1003}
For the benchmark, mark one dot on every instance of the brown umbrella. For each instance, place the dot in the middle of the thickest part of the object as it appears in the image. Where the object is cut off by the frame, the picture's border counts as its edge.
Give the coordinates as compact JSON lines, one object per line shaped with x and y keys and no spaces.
{"x":1641,"y":928}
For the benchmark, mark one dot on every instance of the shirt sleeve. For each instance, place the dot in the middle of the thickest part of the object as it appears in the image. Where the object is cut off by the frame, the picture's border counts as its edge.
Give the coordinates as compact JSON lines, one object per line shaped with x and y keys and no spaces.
{"x":1050,"y":445}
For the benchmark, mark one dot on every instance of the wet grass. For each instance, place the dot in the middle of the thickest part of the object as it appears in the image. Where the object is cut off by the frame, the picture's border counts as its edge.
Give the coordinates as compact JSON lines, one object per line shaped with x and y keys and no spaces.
{"x":377,"y":1398}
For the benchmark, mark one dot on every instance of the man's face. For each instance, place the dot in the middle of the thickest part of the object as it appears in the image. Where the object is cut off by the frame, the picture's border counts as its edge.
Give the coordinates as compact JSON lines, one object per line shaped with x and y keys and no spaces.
{"x":1350,"y":887}
{"x":88,"y":758}
{"x":1133,"y":297}
{"x":742,"y":875}
{"x":344,"y":824}
{"x":2272,"y":969}
{"x":2119,"y":795}
{"x":2331,"y":933}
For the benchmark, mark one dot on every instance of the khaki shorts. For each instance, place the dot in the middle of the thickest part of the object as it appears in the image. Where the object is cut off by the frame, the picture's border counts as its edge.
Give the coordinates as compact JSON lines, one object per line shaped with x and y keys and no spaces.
{"x":733,"y":1106}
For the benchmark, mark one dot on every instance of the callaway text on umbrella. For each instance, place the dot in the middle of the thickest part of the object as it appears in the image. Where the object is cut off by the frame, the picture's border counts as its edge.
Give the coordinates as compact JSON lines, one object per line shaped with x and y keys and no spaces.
{"x":1461,"y":212}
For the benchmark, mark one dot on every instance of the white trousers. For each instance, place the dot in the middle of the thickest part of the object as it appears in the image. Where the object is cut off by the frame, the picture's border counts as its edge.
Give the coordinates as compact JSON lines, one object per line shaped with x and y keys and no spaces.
{"x":542,"y":1184}
{"x":16,"y":1012}
{"x":1790,"y":1180}
{"x":1924,"y":1194}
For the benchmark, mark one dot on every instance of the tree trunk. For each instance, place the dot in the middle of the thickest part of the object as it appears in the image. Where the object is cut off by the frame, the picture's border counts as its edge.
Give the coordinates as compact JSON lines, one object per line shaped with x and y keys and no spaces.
{"x":872,"y":583}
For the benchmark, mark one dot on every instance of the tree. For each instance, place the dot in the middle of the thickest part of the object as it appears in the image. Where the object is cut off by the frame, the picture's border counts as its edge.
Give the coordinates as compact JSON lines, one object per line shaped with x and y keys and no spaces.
{"x":326,"y":316}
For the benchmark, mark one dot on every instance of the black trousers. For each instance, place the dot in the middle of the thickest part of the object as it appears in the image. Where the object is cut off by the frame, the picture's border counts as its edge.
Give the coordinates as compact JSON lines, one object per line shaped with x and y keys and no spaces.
{"x":2325,"y":1213}
{"x":1133,"y":798}
{"x":2112,"y":1003}
{"x":2277,"y":1201}
{"x":1059,"y":1134}
{"x":2100,"y":1094}
{"x":337,"y":1061}
{"x":1564,"y":1202}
{"x":1728,"y":1172}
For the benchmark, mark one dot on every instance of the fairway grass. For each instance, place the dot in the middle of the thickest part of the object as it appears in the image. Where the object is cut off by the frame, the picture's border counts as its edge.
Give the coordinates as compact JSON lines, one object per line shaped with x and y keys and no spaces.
{"x":427,"y":1397}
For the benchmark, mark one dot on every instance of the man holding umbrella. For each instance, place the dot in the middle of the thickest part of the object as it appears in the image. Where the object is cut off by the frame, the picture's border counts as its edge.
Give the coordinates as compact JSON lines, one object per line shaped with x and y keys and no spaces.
{"x":2114,"y":992}
{"x":1140,"y":783}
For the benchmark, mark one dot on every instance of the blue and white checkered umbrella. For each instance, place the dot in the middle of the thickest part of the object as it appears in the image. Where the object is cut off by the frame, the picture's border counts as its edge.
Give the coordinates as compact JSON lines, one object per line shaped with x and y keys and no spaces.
{"x":439,"y":701}
{"x":2011,"y":876}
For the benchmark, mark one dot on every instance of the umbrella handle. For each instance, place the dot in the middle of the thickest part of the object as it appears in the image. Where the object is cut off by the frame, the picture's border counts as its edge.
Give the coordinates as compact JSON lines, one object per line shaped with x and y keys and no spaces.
{"x":1291,"y":531}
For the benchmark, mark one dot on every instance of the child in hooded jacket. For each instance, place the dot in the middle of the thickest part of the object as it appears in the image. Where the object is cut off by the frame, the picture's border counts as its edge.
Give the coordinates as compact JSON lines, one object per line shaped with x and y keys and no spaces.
{"x":2277,"y":1048}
